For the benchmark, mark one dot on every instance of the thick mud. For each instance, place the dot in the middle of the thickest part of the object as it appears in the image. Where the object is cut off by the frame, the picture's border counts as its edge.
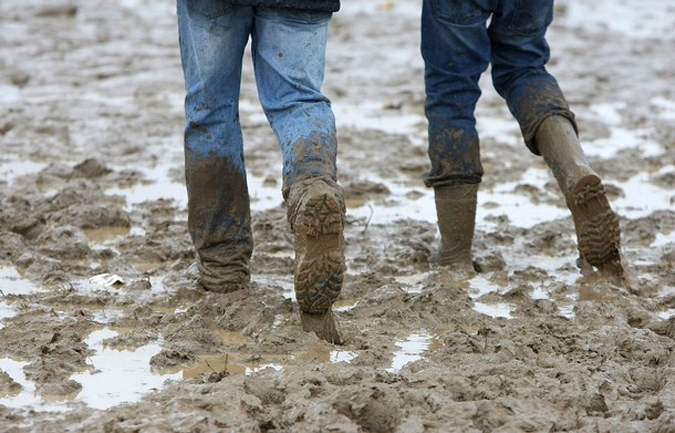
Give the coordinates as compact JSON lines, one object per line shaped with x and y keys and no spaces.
{"x":102,"y":327}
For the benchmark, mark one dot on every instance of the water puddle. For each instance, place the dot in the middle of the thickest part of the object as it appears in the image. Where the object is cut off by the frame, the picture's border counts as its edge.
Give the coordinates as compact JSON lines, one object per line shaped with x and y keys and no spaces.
{"x":663,"y":239}
{"x":622,"y":17}
{"x":25,"y":397}
{"x":374,"y":115}
{"x":157,"y":185}
{"x":117,"y":376}
{"x":248,"y":363}
{"x":668,"y":314}
{"x":666,"y":108}
{"x":10,"y":169}
{"x":499,"y":309}
{"x":480,"y":286}
{"x":124,"y":376}
{"x":103,"y":234}
{"x":11,"y":283}
{"x":411,"y":349}
{"x":412,"y":283}
{"x":641,"y":197}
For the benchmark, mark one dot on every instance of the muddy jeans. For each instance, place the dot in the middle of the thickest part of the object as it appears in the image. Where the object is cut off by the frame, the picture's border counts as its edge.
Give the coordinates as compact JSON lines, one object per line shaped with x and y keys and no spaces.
{"x":288,"y":49}
{"x":457,"y":46}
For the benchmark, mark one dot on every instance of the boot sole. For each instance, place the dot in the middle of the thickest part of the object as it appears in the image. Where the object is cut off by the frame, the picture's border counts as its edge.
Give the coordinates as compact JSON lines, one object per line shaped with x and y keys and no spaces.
{"x":320,"y":265}
{"x":598,"y":231}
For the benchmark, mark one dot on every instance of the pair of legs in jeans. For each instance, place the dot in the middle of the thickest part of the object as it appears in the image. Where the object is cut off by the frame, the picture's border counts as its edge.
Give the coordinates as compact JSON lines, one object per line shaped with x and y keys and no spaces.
{"x":288,"y":49}
{"x":459,"y":40}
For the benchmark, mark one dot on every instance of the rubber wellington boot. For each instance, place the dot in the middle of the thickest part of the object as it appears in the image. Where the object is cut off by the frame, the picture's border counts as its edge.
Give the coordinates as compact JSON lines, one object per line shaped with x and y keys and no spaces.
{"x":456,"y":212}
{"x":596,"y":224}
{"x":316,"y":213}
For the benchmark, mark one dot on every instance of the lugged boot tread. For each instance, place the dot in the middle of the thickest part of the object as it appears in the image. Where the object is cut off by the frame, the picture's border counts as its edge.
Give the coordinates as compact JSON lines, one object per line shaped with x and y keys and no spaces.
{"x":597,"y":226}
{"x":318,"y":222}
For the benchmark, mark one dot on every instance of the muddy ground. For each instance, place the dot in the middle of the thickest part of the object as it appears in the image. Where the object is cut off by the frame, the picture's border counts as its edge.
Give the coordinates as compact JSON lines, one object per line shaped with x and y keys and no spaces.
{"x":93,"y":219}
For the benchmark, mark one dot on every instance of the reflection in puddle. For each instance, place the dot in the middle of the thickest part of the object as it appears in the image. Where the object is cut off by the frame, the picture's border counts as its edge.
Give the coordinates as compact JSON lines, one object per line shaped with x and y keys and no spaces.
{"x":668,"y":314}
{"x":157,"y":185}
{"x":480,"y":286}
{"x":231,"y":363}
{"x":11,"y":283}
{"x":592,"y":294}
{"x":372,"y":115}
{"x":412,"y":283}
{"x":540,"y":293}
{"x":117,"y":376}
{"x":567,"y":311}
{"x":286,"y":285}
{"x":411,"y":350}
{"x":662,"y":240}
{"x":5,"y":313}
{"x":519,"y":208}
{"x":499,"y":309}
{"x":26,"y":397}
{"x":641,"y":197}
{"x":125,"y":376}
{"x":10,"y":170}
{"x":620,"y":139}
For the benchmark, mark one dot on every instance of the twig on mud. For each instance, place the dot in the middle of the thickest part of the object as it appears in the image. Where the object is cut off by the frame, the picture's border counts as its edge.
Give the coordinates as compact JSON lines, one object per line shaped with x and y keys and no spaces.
{"x":224,"y":370}
{"x":370,"y":217}
{"x":217,"y":376}
{"x":366,"y":223}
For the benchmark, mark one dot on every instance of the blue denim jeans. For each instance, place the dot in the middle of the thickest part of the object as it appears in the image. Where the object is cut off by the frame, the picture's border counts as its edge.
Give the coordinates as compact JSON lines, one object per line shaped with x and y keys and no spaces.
{"x":458,"y":44}
{"x":288,"y":50}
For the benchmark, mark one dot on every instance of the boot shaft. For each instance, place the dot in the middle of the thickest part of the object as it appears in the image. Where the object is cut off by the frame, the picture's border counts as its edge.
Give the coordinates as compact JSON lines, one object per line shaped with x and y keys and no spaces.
{"x":456,"y":212}
{"x":559,"y":145}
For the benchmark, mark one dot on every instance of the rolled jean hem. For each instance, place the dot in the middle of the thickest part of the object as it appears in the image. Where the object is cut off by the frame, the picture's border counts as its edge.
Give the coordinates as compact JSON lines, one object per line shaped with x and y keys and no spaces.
{"x":530,"y":131}
{"x":436,"y":181}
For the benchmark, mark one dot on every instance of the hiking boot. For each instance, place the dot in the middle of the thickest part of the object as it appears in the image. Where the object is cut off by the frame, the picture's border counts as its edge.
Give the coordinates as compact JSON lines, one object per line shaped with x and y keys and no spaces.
{"x":316,"y":213}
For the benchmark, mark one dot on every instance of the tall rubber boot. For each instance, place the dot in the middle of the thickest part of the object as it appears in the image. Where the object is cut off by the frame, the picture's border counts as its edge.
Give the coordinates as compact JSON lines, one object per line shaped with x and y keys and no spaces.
{"x":456,"y":212}
{"x":597,"y":226}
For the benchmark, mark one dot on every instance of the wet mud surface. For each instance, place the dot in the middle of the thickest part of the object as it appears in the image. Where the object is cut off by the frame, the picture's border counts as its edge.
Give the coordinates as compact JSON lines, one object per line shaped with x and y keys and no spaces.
{"x":96,"y":261}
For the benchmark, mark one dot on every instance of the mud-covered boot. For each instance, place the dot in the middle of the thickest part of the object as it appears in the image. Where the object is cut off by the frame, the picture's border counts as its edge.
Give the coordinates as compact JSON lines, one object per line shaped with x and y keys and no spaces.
{"x":456,"y":212}
{"x":316,"y":213}
{"x":596,"y":224}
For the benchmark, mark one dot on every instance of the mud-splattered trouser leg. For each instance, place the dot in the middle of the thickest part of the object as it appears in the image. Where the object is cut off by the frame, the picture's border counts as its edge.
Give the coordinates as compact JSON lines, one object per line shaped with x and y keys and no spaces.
{"x":289,"y":57}
{"x":456,"y":51}
{"x":213,"y":36}
{"x":457,"y":47}
{"x":289,"y":51}
{"x":519,"y":55}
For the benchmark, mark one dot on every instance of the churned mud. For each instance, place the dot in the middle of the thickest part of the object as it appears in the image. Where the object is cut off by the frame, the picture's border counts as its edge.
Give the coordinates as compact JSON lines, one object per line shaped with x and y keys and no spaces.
{"x":102,"y":327}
